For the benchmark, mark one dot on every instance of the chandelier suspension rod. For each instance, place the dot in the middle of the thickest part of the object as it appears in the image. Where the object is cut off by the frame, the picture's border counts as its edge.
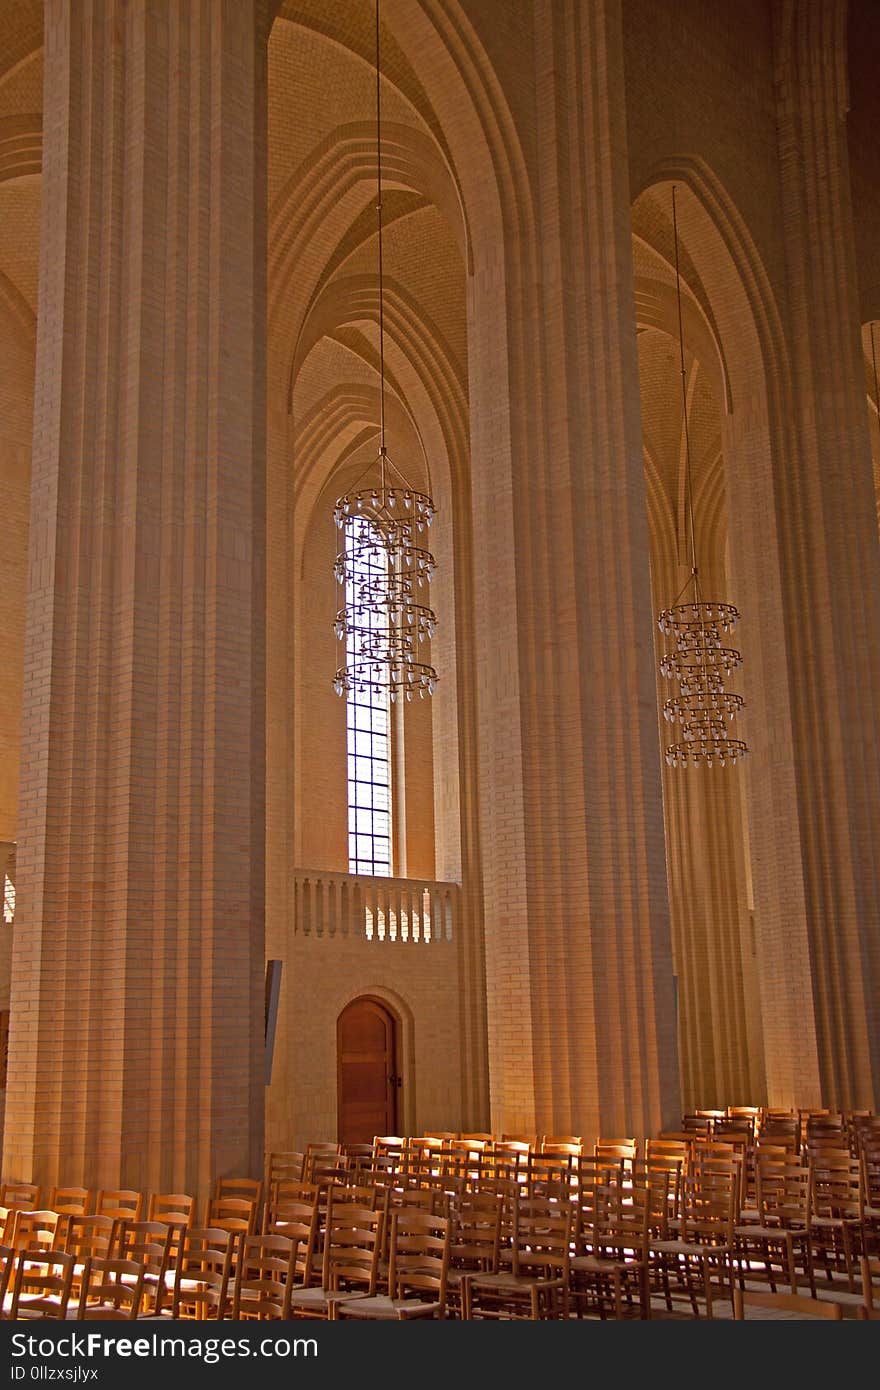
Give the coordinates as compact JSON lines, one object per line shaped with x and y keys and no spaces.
{"x":689,"y":502}
{"x":381,"y":284}
{"x":874,"y":363}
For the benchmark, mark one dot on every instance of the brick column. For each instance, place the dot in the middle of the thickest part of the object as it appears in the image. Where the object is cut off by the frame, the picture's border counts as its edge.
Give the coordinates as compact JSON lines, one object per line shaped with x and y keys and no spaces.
{"x":830,"y":566}
{"x":137,"y":1001}
{"x":579,"y":967}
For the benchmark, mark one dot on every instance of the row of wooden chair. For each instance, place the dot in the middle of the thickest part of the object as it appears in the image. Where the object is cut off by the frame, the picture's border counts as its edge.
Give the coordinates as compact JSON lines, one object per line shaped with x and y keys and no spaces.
{"x":484,"y":1254}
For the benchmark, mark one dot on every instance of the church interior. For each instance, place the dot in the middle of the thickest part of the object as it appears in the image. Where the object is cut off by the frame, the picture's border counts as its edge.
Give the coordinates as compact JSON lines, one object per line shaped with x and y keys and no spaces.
{"x":593,"y":287}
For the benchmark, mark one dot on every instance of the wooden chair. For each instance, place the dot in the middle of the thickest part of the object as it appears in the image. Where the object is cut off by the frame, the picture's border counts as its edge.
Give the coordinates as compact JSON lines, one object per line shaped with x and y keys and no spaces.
{"x":112,"y":1289}
{"x":264,"y":1278}
{"x":796,"y":1305}
{"x":835,"y":1213}
{"x":419,"y":1251}
{"x":655,"y":1164}
{"x":154,"y":1246}
{"x":87,"y":1237}
{"x":869,"y":1192}
{"x":536,"y":1286}
{"x":298,"y":1218}
{"x":201,"y":1274}
{"x":693,"y":1260}
{"x":608,"y":1270}
{"x":475,"y":1244}
{"x":776,"y":1245}
{"x":41,"y":1285}
{"x":352,"y":1248}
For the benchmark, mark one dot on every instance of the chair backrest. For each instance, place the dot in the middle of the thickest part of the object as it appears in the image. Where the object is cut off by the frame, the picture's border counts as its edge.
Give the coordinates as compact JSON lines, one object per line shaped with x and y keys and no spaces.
{"x":328,"y":1168}
{"x":264,"y":1277}
{"x":284,"y":1165}
{"x":389,"y":1151}
{"x":70,"y":1201}
{"x":797,"y":1305}
{"x":120,"y":1202}
{"x":652,"y":1170}
{"x":509,"y":1158}
{"x":20,"y":1194}
{"x":202,"y":1272}
{"x":616,"y":1153}
{"x":172,"y":1208}
{"x":562,"y":1144}
{"x":112,"y":1289}
{"x":476,"y":1232}
{"x":434,"y":1200}
{"x":421,"y":1150}
{"x":241,"y":1189}
{"x":85,"y":1236}
{"x":627,"y":1214}
{"x":835,"y":1184}
{"x":541,"y":1238}
{"x":710,"y":1201}
{"x":782,"y":1190}
{"x":298,"y":1219}
{"x":34,"y":1230}
{"x":358,"y":1158}
{"x":552,"y":1175}
{"x":41,"y":1285}
{"x":153,"y":1244}
{"x":419,"y":1252}
{"x":232,"y":1214}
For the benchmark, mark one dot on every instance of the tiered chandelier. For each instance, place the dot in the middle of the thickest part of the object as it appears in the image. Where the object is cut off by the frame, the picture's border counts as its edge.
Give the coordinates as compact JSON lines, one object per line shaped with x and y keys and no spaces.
{"x":700,"y":659}
{"x":382,"y":567}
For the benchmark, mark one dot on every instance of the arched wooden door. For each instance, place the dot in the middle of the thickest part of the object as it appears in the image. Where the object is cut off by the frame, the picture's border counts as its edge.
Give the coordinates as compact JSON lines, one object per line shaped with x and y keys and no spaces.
{"x":367,"y":1080}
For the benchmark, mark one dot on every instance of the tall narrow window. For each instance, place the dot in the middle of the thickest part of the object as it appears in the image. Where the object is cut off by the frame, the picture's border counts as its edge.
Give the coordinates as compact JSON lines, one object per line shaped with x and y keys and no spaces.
{"x":368,"y":713}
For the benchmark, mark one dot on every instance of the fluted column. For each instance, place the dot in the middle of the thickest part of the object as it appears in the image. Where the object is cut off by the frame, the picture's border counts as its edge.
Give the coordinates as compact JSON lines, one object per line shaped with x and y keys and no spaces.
{"x":137,"y":985}
{"x":579,"y":969}
{"x":707,"y":846}
{"x":822,"y":1039}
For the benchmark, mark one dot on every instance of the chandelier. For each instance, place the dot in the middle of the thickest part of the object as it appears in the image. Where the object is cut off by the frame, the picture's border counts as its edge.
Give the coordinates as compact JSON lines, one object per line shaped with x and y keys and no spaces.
{"x":383,"y":567}
{"x":700,"y":659}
